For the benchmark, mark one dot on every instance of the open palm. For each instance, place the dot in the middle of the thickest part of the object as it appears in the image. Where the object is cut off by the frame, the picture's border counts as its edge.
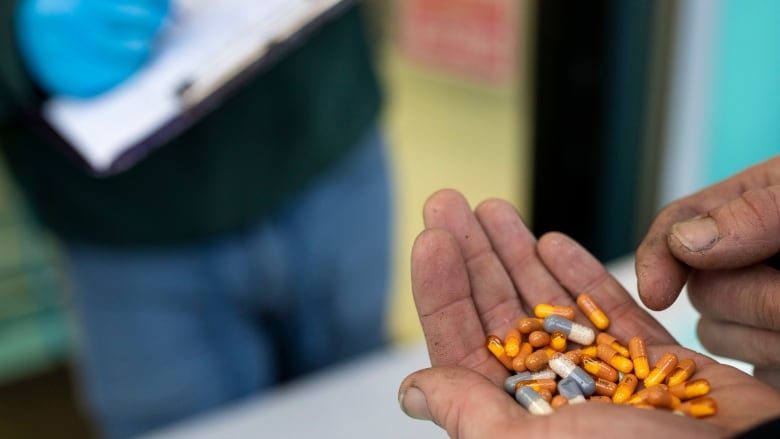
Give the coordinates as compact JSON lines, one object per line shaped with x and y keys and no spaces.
{"x":475,"y":273}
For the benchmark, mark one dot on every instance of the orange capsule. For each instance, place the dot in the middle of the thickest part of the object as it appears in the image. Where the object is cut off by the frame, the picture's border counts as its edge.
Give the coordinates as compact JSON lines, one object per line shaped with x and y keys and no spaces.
{"x":575,"y":355}
{"x":590,"y":351}
{"x":537,"y":360}
{"x":539,"y":339}
{"x":600,"y":398}
{"x":518,"y":363}
{"x":527,"y":325}
{"x":599,"y":369}
{"x":661,"y":398}
{"x":690,"y":389}
{"x":558,"y":401}
{"x":549,"y":384}
{"x":496,"y":347}
{"x":685,"y":369}
{"x":640,"y":397}
{"x":589,"y":307}
{"x":605,"y":388}
{"x":543,"y":310}
{"x":606,"y":353}
{"x":605,"y":338}
{"x":699,"y":407}
{"x":558,"y":341}
{"x":663,"y":367}
{"x":545,"y":394}
{"x":625,"y":388}
{"x":638,"y":353}
{"x":512,"y":343}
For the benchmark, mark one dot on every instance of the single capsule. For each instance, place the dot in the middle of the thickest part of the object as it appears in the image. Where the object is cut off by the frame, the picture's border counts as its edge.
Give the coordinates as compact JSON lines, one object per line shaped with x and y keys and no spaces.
{"x":699,"y":407}
{"x":532,"y":401}
{"x":685,"y":369}
{"x":640,"y":397}
{"x":590,"y":351}
{"x":575,"y":355}
{"x":606,"y":338}
{"x":570,"y":390}
{"x":558,"y":341}
{"x":690,"y":389}
{"x":599,"y":369}
{"x":496,"y":347}
{"x":625,"y":388}
{"x":565,"y":369}
{"x":543,"y":310}
{"x":528,"y":325}
{"x":559,"y":401}
{"x":659,"y":397}
{"x":608,"y":354}
{"x":605,"y":388}
{"x":591,"y":310}
{"x":537,"y":360}
{"x":638,"y":354}
{"x":663,"y":367}
{"x":574,"y":331}
{"x":510,"y":383}
{"x":518,"y":363}
{"x":539,"y":339}
{"x":512,"y":343}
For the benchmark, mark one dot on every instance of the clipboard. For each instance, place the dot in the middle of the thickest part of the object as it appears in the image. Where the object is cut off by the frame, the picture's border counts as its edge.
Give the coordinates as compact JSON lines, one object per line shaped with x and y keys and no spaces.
{"x":203,"y":56}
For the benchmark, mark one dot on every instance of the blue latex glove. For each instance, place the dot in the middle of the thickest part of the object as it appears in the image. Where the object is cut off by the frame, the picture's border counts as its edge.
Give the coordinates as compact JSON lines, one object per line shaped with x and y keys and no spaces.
{"x":82,"y":48}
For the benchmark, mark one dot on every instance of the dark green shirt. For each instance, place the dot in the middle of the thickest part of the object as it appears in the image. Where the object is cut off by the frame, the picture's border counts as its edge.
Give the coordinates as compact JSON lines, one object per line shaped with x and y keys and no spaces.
{"x":263,"y":145}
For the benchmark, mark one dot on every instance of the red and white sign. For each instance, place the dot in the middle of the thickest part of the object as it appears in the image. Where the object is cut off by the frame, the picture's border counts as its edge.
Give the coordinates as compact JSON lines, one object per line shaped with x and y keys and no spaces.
{"x":475,"y":38}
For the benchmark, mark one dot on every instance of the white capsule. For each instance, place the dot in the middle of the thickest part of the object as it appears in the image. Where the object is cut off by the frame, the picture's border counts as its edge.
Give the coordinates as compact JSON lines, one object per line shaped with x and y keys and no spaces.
{"x":533,"y":401}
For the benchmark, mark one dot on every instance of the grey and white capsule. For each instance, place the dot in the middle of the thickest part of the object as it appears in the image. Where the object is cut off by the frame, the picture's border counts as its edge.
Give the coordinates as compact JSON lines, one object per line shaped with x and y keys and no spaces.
{"x":565,"y":368}
{"x":533,"y":401}
{"x":569,"y":389}
{"x":574,"y":331}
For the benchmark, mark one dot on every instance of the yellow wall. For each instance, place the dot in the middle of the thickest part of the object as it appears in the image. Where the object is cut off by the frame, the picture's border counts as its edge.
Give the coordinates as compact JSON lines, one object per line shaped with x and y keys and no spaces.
{"x":448,"y":131}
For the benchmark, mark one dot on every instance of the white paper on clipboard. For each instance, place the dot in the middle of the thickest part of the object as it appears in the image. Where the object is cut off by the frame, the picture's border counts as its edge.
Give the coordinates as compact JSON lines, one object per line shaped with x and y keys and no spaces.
{"x":207,"y":44}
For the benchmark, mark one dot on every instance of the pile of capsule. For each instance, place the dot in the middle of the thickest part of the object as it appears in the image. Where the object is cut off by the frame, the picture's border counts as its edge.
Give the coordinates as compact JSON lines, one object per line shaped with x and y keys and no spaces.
{"x":548,"y":375}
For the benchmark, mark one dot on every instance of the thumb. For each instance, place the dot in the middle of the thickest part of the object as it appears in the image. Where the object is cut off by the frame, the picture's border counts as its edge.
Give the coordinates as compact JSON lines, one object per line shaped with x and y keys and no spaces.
{"x":739,"y":233}
{"x":463,"y":402}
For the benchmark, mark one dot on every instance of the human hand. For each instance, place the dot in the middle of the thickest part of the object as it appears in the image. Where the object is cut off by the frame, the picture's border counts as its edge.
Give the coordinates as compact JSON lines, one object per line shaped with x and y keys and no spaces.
{"x":476,"y":273}
{"x":716,"y":240}
{"x":82,"y":48}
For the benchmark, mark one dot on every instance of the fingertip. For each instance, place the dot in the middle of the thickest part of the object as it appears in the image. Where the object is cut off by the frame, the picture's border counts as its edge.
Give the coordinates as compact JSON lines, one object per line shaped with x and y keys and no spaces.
{"x":414,"y":403}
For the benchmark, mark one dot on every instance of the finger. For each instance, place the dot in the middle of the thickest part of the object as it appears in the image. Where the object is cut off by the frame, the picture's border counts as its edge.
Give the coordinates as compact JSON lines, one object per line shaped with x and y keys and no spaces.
{"x":462,"y":402}
{"x":736,"y":234}
{"x":748,"y":296}
{"x":660,"y":277}
{"x":745,"y":343}
{"x":494,"y":296}
{"x":515,"y":246}
{"x":580,"y":272}
{"x":449,"y":318}
{"x":770,"y":376}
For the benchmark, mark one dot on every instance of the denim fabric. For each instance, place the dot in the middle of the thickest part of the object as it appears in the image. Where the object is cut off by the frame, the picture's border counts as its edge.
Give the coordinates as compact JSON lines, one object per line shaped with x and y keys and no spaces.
{"x":163,"y":334}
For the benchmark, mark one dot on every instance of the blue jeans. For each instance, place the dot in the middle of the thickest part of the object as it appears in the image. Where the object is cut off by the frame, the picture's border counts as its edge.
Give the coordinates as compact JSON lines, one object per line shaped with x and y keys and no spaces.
{"x":168,"y":333}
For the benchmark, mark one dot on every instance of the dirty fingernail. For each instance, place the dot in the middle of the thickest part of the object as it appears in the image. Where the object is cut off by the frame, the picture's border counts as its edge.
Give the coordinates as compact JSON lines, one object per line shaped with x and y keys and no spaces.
{"x":413,"y":403}
{"x":697,"y":234}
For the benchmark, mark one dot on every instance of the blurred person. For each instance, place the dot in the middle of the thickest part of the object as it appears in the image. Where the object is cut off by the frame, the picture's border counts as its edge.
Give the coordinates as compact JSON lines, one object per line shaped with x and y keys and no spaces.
{"x":250,"y":249}
{"x":475,"y":273}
